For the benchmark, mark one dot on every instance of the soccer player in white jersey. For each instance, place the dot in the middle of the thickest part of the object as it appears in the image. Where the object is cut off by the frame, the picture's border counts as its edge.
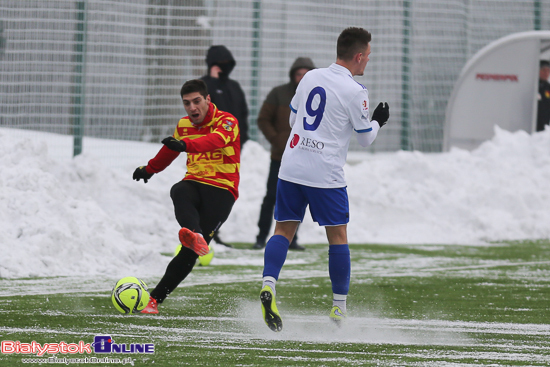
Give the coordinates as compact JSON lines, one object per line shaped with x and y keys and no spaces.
{"x":327,"y":107}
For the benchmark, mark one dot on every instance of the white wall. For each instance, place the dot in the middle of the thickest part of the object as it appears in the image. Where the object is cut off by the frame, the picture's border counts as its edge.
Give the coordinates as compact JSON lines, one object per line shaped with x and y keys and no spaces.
{"x":498,"y":86}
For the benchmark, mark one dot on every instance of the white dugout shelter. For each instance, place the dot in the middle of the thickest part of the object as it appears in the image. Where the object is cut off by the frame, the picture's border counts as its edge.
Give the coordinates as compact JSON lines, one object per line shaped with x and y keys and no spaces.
{"x":498,"y":86}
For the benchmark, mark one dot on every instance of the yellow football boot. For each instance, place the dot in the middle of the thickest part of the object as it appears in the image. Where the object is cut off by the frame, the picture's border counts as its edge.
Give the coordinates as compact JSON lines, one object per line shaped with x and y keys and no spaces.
{"x":337,"y":316}
{"x":269,"y":309}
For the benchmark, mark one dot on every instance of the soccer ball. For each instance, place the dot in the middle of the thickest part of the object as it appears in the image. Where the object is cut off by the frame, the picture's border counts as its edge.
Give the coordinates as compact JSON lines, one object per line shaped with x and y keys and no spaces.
{"x":203,"y":260}
{"x":130,"y":295}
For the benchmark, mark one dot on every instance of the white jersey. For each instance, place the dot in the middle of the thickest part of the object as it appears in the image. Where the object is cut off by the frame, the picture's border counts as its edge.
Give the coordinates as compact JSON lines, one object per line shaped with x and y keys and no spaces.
{"x":328,"y":105}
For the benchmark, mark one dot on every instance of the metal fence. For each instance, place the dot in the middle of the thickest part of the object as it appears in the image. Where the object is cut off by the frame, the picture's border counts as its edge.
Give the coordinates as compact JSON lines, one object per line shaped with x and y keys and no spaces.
{"x":113,"y":68}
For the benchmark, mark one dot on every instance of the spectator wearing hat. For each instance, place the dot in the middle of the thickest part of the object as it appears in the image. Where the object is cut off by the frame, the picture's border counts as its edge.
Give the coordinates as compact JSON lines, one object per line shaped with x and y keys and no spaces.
{"x":274,"y":124}
{"x":226,"y":94}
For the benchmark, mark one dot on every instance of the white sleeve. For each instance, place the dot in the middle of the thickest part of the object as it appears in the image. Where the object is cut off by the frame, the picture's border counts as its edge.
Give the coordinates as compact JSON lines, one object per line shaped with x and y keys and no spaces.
{"x":366,"y":129}
{"x":293,"y":110}
{"x":358,"y":111}
{"x":292,"y":117}
{"x":367,"y":138}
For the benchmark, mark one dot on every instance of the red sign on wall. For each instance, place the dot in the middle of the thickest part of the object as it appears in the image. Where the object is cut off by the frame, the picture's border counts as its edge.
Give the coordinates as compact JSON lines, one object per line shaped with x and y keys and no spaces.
{"x":497,"y":77}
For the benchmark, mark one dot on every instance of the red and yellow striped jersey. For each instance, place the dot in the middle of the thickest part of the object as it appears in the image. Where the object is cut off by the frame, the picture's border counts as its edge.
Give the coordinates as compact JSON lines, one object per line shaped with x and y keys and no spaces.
{"x":213,"y":151}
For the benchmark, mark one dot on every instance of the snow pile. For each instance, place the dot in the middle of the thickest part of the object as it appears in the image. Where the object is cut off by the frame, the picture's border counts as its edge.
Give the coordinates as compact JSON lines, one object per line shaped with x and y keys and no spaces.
{"x":500,"y":191}
{"x":86,"y":215}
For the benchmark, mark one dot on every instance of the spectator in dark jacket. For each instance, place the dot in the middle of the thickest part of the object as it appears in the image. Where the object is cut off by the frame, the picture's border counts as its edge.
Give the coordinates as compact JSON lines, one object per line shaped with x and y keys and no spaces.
{"x":274,"y":124}
{"x":543,"y":112}
{"x":226,"y":93}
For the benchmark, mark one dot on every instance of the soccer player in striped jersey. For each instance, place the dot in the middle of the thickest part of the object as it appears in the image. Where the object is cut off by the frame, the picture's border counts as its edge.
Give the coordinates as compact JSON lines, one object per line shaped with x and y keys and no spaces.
{"x":329,"y":105}
{"x":205,"y":196}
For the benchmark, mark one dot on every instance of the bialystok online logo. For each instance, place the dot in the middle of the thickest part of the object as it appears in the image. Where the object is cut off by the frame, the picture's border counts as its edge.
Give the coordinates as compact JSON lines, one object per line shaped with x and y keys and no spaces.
{"x":102,"y":344}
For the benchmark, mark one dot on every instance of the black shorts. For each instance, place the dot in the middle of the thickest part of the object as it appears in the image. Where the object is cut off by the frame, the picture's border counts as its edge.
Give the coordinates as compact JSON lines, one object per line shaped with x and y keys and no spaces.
{"x":200,"y":207}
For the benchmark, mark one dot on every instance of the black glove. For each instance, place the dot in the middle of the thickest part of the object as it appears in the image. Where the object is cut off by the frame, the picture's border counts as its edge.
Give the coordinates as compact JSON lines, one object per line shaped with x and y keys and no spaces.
{"x":141,"y":172}
{"x":381,"y":113}
{"x":175,"y":144}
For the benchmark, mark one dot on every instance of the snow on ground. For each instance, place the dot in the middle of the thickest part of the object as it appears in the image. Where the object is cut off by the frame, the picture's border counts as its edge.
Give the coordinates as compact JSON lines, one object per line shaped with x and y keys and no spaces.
{"x":86,"y":216}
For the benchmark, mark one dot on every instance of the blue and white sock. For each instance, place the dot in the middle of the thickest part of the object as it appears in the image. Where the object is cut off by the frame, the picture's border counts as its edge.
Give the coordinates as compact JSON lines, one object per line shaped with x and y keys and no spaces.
{"x":275,"y":253}
{"x":339,"y":268}
{"x":340,"y":301}
{"x":270,"y":281}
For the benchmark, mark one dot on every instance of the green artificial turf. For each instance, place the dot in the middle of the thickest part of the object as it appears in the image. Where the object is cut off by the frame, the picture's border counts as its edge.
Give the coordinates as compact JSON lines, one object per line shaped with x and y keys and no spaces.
{"x":423,"y":305}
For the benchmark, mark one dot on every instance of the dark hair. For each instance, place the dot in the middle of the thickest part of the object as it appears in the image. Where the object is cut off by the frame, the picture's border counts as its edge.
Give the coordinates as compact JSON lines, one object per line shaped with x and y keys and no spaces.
{"x":351,"y":41}
{"x":544,"y":63}
{"x":194,"y":85}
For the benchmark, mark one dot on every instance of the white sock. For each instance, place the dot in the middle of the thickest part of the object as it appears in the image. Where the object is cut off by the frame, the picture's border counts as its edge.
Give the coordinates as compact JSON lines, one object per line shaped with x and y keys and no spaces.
{"x":270,"y":281}
{"x":340,"y":301}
